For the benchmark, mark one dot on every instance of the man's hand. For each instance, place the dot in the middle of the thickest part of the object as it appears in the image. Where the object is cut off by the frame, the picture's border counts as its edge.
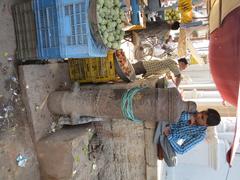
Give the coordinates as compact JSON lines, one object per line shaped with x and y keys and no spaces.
{"x":177,"y":81}
{"x":169,"y":76}
{"x":166,"y":131}
{"x":192,"y":120}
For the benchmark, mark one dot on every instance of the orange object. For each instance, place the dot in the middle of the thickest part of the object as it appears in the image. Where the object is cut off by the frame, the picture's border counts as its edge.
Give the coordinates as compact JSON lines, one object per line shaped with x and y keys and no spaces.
{"x":185,"y":8}
{"x":186,"y":17}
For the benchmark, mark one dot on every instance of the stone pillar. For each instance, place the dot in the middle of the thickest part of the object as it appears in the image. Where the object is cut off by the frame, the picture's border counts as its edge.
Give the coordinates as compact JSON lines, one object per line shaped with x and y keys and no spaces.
{"x":151,"y":104}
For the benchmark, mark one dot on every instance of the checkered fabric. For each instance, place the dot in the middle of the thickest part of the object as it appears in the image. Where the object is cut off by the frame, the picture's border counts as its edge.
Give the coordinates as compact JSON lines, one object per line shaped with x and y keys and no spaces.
{"x":158,"y":67}
{"x":184,"y":136}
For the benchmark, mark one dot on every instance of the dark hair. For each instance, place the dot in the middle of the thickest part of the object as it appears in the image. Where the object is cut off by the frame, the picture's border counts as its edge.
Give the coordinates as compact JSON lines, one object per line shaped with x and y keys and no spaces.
{"x":213,"y":117}
{"x":175,"y":25}
{"x":183,"y":60}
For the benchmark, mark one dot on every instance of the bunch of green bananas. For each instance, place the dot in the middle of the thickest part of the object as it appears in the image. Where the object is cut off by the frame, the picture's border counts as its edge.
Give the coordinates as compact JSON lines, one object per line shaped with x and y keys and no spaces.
{"x":171,"y":15}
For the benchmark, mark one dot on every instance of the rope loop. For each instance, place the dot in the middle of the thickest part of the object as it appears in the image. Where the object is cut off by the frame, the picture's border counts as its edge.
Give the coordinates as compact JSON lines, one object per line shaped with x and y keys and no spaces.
{"x":127,"y":104}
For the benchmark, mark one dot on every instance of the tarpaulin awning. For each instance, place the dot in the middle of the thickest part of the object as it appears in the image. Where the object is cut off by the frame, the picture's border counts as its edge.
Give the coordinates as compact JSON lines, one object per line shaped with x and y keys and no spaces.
{"x":224,"y":59}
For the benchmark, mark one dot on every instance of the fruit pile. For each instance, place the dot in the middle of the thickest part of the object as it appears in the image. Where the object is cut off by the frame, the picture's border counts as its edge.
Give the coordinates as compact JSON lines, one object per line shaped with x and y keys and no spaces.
{"x":110,"y":17}
{"x":123,"y":62}
{"x":171,"y":15}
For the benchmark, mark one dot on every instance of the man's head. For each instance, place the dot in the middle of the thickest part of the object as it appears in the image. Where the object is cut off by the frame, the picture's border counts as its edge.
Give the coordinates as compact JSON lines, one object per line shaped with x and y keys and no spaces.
{"x":182,"y":62}
{"x":210,"y":117}
{"x":175,"y":25}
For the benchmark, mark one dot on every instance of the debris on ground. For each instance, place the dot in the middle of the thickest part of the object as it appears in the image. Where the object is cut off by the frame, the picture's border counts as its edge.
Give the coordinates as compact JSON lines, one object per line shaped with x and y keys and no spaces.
{"x":5,"y":54}
{"x":94,"y":166}
{"x":10,"y":104}
{"x":53,"y":127}
{"x":36,"y":107}
{"x":21,"y":160}
{"x":10,"y":58}
{"x":74,"y":173}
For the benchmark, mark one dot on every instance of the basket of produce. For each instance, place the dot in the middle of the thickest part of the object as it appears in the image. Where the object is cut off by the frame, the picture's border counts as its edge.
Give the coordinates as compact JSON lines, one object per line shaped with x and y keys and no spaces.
{"x":123,"y":67}
{"x":106,"y":22}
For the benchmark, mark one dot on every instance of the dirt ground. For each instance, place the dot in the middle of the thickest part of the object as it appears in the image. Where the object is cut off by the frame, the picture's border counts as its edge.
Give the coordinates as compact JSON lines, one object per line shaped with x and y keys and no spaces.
{"x":15,"y":136}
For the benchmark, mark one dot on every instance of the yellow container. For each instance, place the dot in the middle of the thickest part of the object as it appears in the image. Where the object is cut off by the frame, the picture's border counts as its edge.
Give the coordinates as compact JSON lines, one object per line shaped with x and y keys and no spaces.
{"x":184,"y":5}
{"x":186,"y":17}
{"x":93,"y":70}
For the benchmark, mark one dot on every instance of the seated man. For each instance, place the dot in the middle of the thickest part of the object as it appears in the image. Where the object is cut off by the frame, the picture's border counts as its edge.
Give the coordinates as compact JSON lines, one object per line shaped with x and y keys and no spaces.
{"x":158,"y":67}
{"x":182,"y":136}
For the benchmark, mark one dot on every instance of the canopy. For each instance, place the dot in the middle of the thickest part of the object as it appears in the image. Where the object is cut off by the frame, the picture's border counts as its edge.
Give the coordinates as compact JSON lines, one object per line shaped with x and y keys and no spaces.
{"x":224,"y":59}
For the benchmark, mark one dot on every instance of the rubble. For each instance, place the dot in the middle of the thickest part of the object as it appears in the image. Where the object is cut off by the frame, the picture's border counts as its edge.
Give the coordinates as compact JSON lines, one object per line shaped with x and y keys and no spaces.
{"x":11,"y":104}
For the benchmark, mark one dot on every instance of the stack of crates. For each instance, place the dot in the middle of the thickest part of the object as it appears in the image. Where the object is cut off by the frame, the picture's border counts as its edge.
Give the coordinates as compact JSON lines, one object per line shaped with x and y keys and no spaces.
{"x":63,"y":30}
{"x":25,"y":31}
{"x":54,"y":29}
{"x":93,"y":70}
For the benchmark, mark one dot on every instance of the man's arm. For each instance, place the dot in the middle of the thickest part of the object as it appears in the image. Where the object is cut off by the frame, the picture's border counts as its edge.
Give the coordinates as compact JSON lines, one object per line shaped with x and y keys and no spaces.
{"x":178,"y":80}
{"x":175,"y":128}
{"x":182,"y":120}
{"x":175,"y":70}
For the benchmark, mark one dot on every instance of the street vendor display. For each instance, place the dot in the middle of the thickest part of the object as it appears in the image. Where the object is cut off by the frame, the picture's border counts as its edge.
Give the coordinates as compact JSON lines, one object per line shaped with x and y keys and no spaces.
{"x":123,"y":67}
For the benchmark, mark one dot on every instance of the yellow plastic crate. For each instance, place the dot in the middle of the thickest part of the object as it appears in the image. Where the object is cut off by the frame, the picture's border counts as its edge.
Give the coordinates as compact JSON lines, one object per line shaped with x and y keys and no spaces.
{"x":93,"y":70}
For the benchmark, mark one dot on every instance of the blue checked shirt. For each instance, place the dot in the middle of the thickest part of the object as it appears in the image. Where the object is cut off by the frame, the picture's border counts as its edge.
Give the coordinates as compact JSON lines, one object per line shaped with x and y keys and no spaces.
{"x":184,"y":136}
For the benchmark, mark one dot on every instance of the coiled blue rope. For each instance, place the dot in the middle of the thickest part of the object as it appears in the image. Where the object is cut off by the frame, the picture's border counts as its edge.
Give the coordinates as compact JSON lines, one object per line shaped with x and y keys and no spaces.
{"x":127,"y":105}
